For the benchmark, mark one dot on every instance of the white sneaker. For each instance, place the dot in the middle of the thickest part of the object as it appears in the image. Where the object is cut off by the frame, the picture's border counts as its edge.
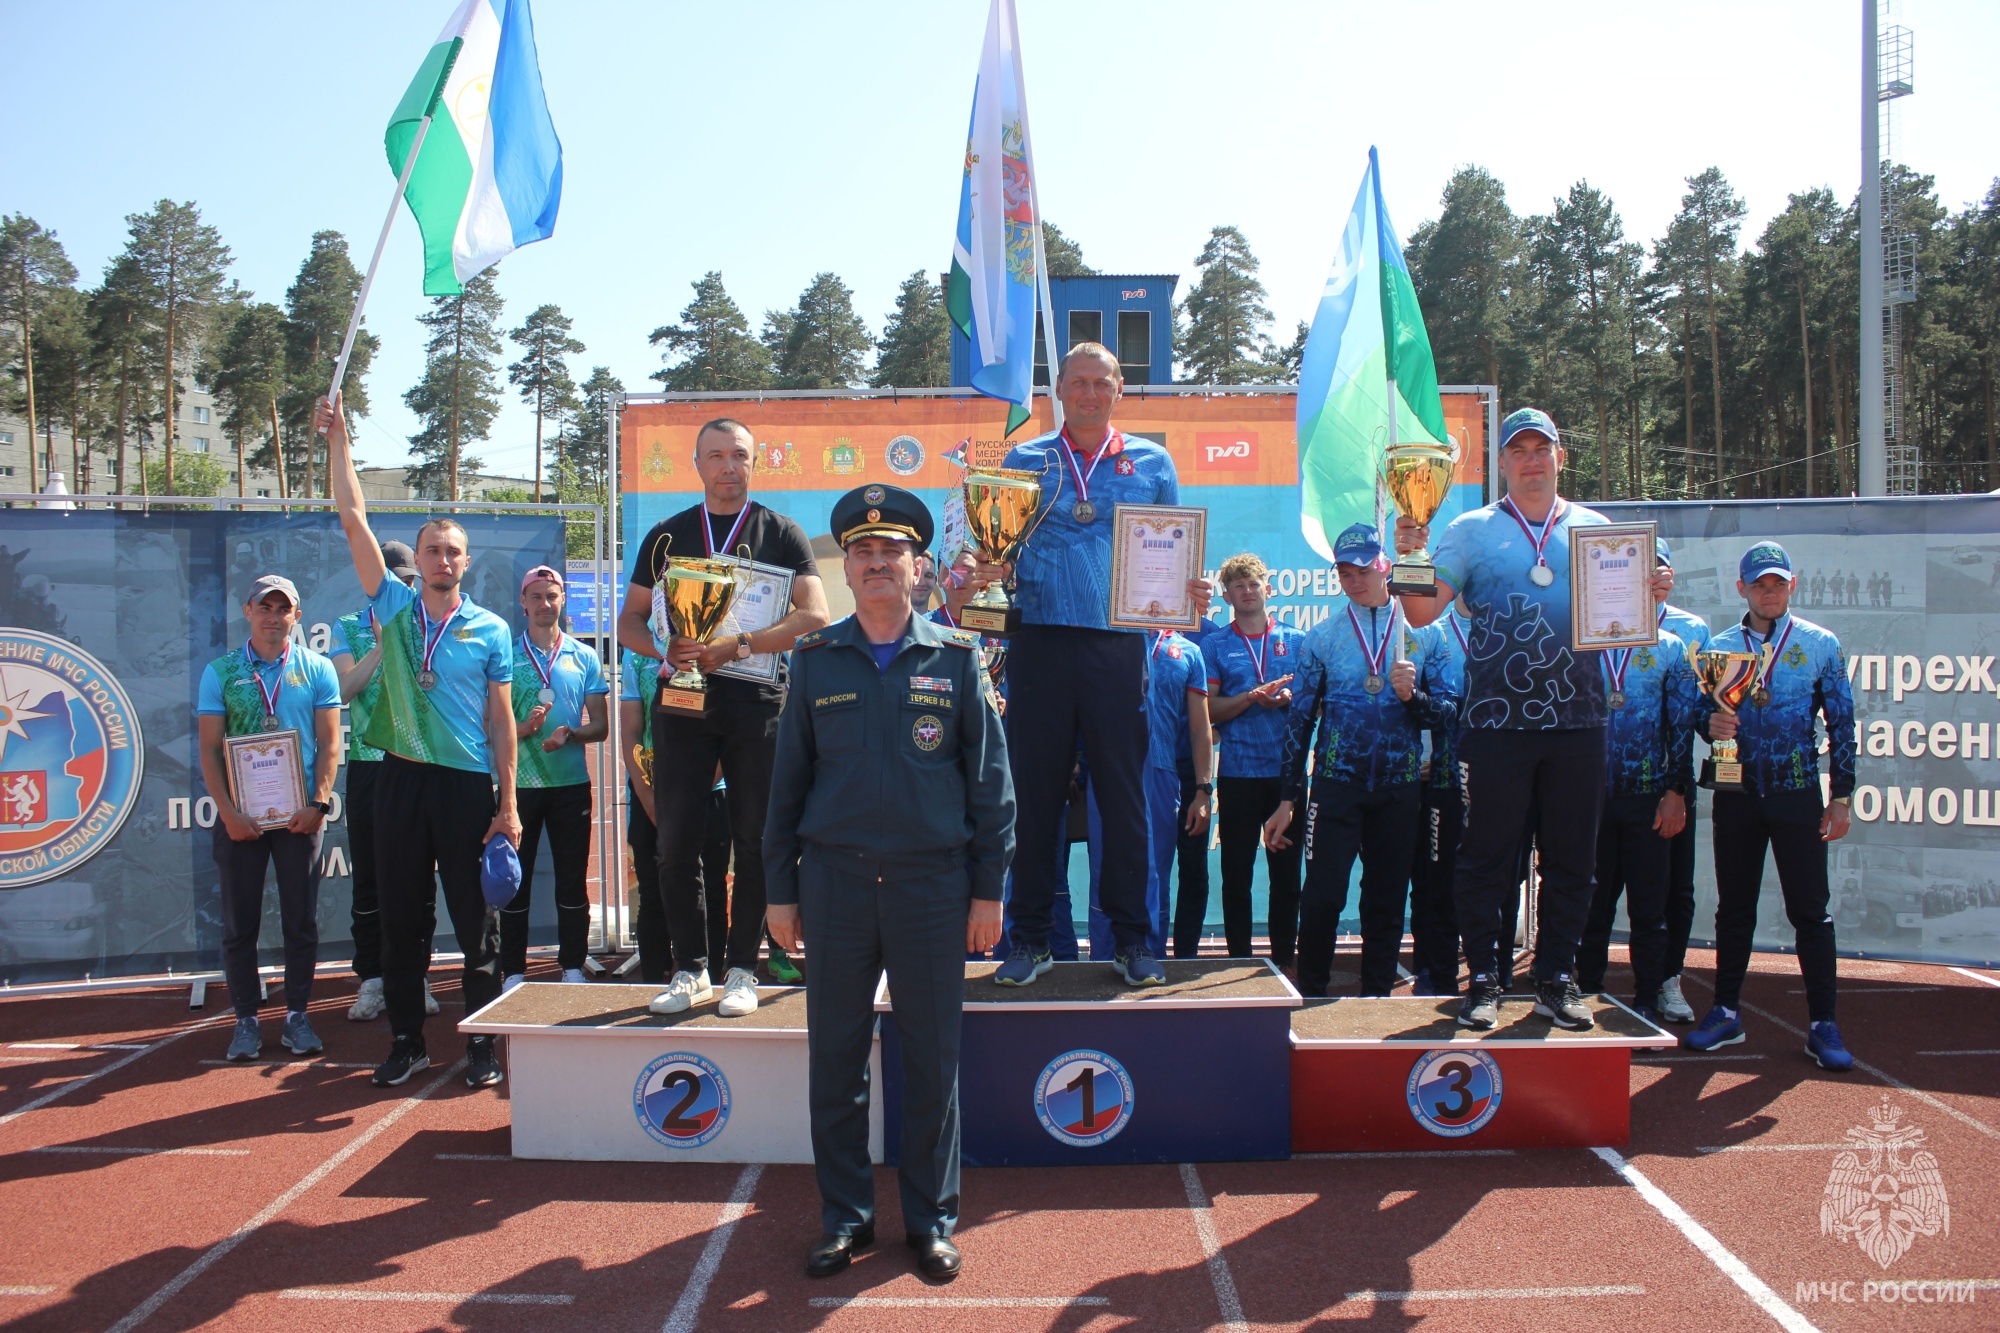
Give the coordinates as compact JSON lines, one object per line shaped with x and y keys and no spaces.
{"x":430,"y":1003}
{"x":686,"y":989}
{"x":506,"y":984}
{"x":573,"y":976}
{"x":739,"y":994}
{"x":368,"y":1002}
{"x":1673,"y":1005}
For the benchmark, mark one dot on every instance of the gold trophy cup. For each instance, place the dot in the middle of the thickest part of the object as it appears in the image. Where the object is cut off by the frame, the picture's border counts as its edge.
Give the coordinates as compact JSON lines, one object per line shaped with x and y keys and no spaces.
{"x":1418,"y":476}
{"x":1726,"y":678}
{"x":698,"y":594}
{"x":642,"y":755}
{"x":999,"y":504}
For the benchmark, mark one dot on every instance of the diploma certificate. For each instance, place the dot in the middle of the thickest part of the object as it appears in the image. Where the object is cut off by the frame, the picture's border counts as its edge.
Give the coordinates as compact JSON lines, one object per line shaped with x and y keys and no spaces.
{"x":267,"y":776}
{"x":1155,"y":550}
{"x":1611,"y":586}
{"x":763,"y":598}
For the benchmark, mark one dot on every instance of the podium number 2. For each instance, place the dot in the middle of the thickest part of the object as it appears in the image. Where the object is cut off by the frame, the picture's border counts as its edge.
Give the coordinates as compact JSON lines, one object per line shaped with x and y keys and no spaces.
{"x":690,"y":1084}
{"x":1460,"y":1075}
{"x":1087,"y":1083}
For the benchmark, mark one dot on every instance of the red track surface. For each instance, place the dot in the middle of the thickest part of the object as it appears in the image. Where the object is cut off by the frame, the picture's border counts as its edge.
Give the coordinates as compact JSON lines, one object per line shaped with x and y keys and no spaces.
{"x":308,"y":1199}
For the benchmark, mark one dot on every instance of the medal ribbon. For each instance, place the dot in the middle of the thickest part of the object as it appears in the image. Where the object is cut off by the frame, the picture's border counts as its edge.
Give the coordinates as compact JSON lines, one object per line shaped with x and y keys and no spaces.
{"x":1261,"y":653}
{"x":1458,"y":632}
{"x":1374,"y":654}
{"x":1083,"y":475}
{"x":708,"y":529}
{"x":1548,"y":526}
{"x":535,"y":659}
{"x":1771,"y":655}
{"x":270,"y":696}
{"x":431,"y":641}
{"x":949,"y":619}
{"x":1160,"y":637}
{"x":1616,"y":662}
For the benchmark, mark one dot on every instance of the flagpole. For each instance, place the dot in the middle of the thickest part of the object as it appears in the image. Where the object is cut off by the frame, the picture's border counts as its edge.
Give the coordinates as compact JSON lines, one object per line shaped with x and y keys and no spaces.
{"x":375,"y":261}
{"x":1048,"y":314}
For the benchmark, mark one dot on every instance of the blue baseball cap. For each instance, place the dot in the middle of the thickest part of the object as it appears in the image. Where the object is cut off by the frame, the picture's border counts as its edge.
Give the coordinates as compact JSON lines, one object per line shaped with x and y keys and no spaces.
{"x":1528,"y":418}
{"x":499,"y":871}
{"x":1663,"y":554}
{"x":1358,"y":544}
{"x":1764,"y":558}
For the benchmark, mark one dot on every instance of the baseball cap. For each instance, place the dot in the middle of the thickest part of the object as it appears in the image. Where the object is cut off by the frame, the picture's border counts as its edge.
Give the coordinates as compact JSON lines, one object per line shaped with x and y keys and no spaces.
{"x":1358,"y":544}
{"x":1663,"y":554}
{"x":270,"y":583}
{"x":1528,"y":418}
{"x":402,"y":562}
{"x":882,"y":511}
{"x":499,"y":871}
{"x":539,"y":574}
{"x":1764,"y":558}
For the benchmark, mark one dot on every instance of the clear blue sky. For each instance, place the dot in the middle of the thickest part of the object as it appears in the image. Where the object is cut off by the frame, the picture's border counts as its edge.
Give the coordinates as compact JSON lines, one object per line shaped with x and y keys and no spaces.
{"x":772,"y":139}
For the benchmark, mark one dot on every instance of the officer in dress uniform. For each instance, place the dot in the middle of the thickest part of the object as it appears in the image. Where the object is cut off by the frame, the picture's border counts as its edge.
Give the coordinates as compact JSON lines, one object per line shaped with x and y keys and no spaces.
{"x":890,"y":828}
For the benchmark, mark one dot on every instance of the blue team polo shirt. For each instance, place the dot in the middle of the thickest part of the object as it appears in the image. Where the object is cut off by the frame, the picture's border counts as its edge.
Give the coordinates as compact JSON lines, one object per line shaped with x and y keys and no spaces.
{"x":1176,"y":668}
{"x":1063,"y":576}
{"x":1451,"y":662}
{"x":1778,"y":741}
{"x":1649,"y":743}
{"x":1368,"y":740}
{"x":305,"y":683}
{"x":1253,"y":742}
{"x":1684,"y":625}
{"x":447,"y":724}
{"x":1520,"y":674}
{"x":575,"y":673}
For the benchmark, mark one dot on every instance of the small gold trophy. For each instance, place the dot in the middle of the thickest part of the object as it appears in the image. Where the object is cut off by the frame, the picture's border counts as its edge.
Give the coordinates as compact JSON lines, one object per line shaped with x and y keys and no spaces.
{"x":999,"y":504}
{"x":642,"y":755}
{"x":1727,"y":678}
{"x":698,"y":594}
{"x":1418,"y":476}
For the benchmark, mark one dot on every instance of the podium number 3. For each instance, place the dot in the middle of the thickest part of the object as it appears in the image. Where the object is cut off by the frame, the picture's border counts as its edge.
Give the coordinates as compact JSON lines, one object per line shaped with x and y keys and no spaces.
{"x":1460,"y":1075}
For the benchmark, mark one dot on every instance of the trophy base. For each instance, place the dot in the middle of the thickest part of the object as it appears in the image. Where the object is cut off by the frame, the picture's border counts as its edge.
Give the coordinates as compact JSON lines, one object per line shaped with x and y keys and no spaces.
{"x":687,"y":699}
{"x":1722,"y":775}
{"x":996,"y":621}
{"x":1413,"y":580}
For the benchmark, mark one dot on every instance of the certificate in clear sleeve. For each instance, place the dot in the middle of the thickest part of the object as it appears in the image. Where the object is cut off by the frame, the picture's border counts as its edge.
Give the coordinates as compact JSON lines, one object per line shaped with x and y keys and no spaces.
{"x":1611,"y":586}
{"x":763,"y":598}
{"x":266,"y":776}
{"x":1155,"y":550}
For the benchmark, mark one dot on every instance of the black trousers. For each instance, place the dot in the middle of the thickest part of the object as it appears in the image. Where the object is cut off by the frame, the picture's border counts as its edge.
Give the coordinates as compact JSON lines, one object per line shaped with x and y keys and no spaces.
{"x":1191,"y":861}
{"x":430,"y":824}
{"x":1680,"y":893}
{"x":649,"y":924}
{"x":1562,"y":773}
{"x":366,"y":911}
{"x":1433,"y":919}
{"x":564,"y":812}
{"x":1344,"y":820}
{"x":1633,"y":861}
{"x":241,"y":867}
{"x":1246,"y":803}
{"x":1061,"y":683}
{"x":741,"y":732}
{"x":1786,"y":823}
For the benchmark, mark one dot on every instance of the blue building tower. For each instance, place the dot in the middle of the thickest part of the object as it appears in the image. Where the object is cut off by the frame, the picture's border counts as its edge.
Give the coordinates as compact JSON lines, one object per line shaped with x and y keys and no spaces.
{"x":1131,"y":313}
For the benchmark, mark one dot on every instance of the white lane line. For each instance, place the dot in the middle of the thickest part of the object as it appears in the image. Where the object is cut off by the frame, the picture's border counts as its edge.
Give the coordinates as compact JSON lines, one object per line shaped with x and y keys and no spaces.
{"x":307,"y":1063}
{"x":681,"y":1319}
{"x":84,"y":1081}
{"x":1735,"y":1269}
{"x":1211,"y":1248}
{"x":1958,"y":1052}
{"x":27,"y":1291}
{"x":1695,"y":1057}
{"x":1853,"y":990}
{"x":1977,"y":976}
{"x":142,"y":1152}
{"x":118,"y":1046}
{"x":48,"y":1046}
{"x":474,"y":1157}
{"x":216,"y":1252}
{"x":1392,"y":1156}
{"x":1775,"y":1147}
{"x":425,"y":1297}
{"x":1494,"y":1294}
{"x":957,"y":1302}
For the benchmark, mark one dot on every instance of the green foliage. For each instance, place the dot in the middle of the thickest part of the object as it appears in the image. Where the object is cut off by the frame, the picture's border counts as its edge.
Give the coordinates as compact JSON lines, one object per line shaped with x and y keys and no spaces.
{"x":819,"y":343}
{"x":542,"y":375}
{"x":1064,"y":256}
{"x":915,"y":351}
{"x":509,"y":495}
{"x":34,"y":271}
{"x":1220,"y":335}
{"x":247,"y":367}
{"x":1462,"y":265}
{"x":180,"y":262}
{"x":194,"y":474}
{"x":710,"y":350}
{"x":459,"y":395}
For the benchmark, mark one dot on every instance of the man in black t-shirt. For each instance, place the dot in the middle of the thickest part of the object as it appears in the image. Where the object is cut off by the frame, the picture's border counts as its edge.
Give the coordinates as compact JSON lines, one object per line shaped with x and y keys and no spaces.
{"x":740,"y":728}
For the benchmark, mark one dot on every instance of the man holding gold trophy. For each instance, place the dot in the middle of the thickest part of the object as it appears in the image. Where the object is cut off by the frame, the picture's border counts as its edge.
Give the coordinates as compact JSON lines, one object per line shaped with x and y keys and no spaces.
{"x":711,"y":709}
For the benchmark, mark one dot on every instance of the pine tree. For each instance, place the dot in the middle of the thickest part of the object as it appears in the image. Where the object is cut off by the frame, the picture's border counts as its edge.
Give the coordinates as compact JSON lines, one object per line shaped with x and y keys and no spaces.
{"x":582,"y":454}
{"x":711,"y":350}
{"x":1222,"y":320}
{"x":33,"y":267}
{"x":824,"y":341}
{"x":1064,"y":256}
{"x":1703,"y":237}
{"x":541,"y":375}
{"x":1588,"y":239}
{"x":247,"y":366}
{"x":121,"y":337}
{"x":318,"y":305}
{"x":1462,"y":266}
{"x":915,"y":351}
{"x":181,"y":259}
{"x":459,"y":395}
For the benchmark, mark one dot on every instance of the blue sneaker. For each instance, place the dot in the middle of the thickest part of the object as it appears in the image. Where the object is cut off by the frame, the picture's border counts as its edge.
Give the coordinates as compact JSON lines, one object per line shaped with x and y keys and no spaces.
{"x":1022,"y":967}
{"x":1823,"y":1044}
{"x":245,"y":1042}
{"x":1139,"y":967}
{"x":1718,"y":1027}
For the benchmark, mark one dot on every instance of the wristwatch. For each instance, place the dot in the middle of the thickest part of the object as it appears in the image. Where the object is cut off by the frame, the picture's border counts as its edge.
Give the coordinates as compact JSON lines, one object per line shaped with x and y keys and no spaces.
{"x":1205,"y":788}
{"x":324,"y":807}
{"x":742,"y":646}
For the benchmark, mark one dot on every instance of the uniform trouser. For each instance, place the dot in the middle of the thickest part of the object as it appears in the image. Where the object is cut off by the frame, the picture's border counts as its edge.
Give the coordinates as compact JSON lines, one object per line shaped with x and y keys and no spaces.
{"x":1562,"y":772}
{"x":1062,"y":682}
{"x":1633,"y":860}
{"x":1433,"y":920}
{"x":857,"y":925}
{"x":366,"y":911}
{"x":1163,"y":791}
{"x":650,"y":928}
{"x":565,"y":813}
{"x":742,"y":734}
{"x":1246,"y":803}
{"x":1788,"y":824}
{"x":241,"y":866}
{"x":430,"y":824}
{"x":1190,"y":907}
{"x":1680,"y":893}
{"x":1343,"y":820}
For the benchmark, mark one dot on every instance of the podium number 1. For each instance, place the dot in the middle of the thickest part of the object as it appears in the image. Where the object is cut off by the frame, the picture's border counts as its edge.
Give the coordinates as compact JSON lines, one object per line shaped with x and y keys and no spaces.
{"x":1087,"y":1083}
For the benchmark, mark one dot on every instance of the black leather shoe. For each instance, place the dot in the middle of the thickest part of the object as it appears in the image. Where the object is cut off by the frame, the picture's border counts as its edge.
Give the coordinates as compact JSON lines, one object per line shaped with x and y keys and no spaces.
{"x":937,"y":1257}
{"x":834,"y":1253}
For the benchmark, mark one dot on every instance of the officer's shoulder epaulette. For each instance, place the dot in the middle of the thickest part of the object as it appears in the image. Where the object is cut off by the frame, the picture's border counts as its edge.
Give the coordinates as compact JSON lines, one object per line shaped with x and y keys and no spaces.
{"x":964,"y":638}
{"x":810,"y":639}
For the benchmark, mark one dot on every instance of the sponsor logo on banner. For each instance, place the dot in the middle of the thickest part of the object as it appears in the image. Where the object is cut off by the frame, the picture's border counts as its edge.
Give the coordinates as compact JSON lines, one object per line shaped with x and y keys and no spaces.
{"x":905,"y":455}
{"x":1885,"y":1191}
{"x":682,"y":1100}
{"x":1453,"y":1093}
{"x":1225,"y":451}
{"x":1084,"y":1098}
{"x":71,"y":757}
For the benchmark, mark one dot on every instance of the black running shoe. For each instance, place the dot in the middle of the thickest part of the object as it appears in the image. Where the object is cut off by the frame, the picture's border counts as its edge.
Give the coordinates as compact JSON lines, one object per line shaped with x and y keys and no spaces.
{"x":1481,"y":1007}
{"x":1561,"y":1002}
{"x":406,"y":1057}
{"x":482,"y":1065}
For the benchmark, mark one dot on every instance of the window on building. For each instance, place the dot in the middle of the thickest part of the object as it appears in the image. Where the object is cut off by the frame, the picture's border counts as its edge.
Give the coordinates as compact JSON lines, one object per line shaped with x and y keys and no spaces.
{"x":200,"y":444}
{"x":1041,"y":355}
{"x":266,"y":494}
{"x":200,"y":416}
{"x":6,"y":437}
{"x":1086,"y":326}
{"x":232,"y":474}
{"x":1135,"y":345}
{"x":6,"y":469}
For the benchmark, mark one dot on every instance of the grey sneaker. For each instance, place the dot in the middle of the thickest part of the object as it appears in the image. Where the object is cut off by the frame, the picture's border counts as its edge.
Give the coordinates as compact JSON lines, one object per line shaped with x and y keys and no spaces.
{"x":299,"y":1037}
{"x":247,"y":1043}
{"x":369,"y":1002}
{"x":1673,"y":1005}
{"x":1561,"y":1003}
{"x":1480,"y":1009}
